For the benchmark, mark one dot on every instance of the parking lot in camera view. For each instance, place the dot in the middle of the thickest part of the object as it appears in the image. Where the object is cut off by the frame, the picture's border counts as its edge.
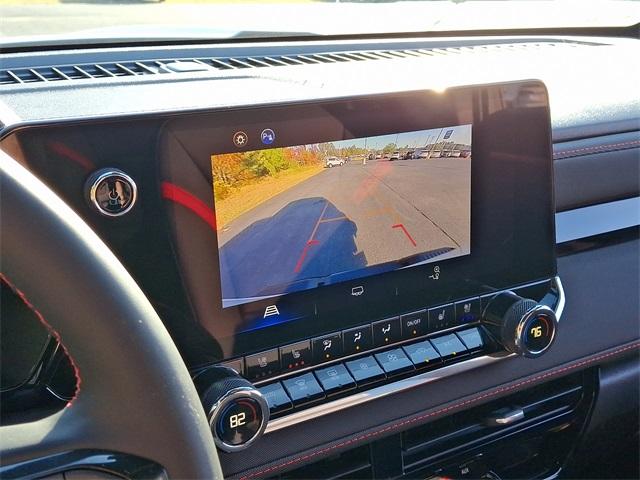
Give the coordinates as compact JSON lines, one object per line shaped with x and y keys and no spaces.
{"x":366,"y":212}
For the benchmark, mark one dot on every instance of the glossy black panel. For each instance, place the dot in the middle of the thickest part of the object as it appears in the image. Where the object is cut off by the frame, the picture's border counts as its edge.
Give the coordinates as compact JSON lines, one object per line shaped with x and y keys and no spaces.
{"x":512,"y":229}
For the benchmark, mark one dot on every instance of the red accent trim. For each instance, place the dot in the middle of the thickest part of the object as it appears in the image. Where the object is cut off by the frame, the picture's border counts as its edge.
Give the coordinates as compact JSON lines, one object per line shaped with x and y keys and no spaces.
{"x":188,"y":200}
{"x":420,"y":417}
{"x":71,"y":154}
{"x":56,"y":335}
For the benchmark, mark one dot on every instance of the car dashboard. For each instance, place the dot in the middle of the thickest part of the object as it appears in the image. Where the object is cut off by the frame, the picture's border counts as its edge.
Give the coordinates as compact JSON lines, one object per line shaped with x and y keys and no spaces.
{"x":445,"y":286}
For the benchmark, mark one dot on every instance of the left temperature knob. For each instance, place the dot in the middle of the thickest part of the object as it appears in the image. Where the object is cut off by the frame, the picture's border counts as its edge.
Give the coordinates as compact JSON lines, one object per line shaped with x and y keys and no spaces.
{"x":237,"y":411}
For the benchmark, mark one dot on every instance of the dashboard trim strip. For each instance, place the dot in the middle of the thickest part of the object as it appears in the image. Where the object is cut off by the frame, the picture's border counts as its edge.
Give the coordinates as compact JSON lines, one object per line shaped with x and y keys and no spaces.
{"x":597,"y":219}
{"x":401,"y":385}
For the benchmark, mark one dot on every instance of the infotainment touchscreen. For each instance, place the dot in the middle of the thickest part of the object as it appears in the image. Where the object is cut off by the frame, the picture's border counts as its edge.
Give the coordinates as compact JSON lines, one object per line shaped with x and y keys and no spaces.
{"x":296,"y":218}
{"x":295,"y":221}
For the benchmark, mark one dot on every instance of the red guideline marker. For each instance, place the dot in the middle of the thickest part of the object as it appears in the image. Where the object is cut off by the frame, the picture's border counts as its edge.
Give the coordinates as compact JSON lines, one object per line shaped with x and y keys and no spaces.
{"x":304,"y":254}
{"x":399,"y":225}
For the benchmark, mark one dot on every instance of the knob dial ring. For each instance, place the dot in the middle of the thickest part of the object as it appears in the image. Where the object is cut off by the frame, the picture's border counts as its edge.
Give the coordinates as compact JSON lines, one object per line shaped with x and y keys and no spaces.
{"x":523,"y":340}
{"x":252,"y":400}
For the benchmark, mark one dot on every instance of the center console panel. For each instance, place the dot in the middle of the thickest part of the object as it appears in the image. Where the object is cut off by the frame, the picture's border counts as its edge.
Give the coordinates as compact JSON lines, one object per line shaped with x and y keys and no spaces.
{"x":344,"y":250}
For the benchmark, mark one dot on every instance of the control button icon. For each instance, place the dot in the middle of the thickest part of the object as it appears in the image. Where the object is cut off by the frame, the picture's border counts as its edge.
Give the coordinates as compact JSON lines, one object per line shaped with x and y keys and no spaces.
{"x":327,"y":348}
{"x":240,"y":139}
{"x":472,"y":339}
{"x":357,"y":339}
{"x":436,"y":273}
{"x":449,"y":346}
{"x":365,"y":370}
{"x":111,"y":192}
{"x":422,"y":354}
{"x":303,"y":389}
{"x":415,"y":324}
{"x":262,"y":364}
{"x":394,"y":361}
{"x":271,"y":310}
{"x":296,"y":355}
{"x":386,"y":331}
{"x":268,"y":136}
{"x":468,"y":311}
{"x":357,"y":291}
{"x":335,"y":379}
{"x":441,"y":317}
{"x":276,"y":397}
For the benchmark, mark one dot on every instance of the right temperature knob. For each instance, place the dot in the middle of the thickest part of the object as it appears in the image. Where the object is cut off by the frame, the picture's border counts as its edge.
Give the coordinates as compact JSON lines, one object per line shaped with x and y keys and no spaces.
{"x":521,"y":325}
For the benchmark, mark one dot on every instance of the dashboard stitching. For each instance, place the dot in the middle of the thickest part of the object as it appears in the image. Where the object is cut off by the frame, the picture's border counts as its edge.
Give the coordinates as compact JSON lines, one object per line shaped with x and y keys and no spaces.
{"x":599,"y":149}
{"x":441,"y":411}
{"x":50,"y":329}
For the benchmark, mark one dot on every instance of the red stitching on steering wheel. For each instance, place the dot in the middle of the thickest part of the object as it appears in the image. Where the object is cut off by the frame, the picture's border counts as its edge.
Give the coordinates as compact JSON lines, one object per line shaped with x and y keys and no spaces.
{"x":56,"y":335}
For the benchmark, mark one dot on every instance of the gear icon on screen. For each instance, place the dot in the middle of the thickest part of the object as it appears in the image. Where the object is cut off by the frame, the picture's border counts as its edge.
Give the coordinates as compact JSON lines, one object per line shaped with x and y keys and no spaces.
{"x":240,"y":139}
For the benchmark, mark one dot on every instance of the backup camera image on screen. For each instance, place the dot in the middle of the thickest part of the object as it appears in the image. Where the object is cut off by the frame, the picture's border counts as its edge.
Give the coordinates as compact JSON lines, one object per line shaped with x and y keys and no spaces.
{"x":295,"y":218}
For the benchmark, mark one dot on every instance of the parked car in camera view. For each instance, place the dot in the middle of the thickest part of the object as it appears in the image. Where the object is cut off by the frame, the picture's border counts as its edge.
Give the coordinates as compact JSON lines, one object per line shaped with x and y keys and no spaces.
{"x":334,"y":162}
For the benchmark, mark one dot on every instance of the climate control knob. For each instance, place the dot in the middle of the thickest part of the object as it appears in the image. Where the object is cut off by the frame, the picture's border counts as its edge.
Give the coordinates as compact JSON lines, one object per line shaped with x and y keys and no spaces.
{"x":237,"y":411}
{"x":521,"y":325}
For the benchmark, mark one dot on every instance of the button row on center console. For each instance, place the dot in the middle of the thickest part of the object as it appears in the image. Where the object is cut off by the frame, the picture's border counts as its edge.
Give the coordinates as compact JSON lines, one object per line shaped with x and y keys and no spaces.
{"x":339,"y":378}
{"x":360,"y":339}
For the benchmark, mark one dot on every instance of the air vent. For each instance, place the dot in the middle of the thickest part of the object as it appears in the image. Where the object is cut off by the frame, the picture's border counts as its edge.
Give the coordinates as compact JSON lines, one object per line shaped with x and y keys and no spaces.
{"x":534,"y":413}
{"x":474,"y":442}
{"x":62,"y":73}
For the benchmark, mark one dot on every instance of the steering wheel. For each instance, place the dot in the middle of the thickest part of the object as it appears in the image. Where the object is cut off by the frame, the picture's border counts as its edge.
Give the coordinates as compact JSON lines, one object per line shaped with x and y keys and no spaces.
{"x":135,"y":395}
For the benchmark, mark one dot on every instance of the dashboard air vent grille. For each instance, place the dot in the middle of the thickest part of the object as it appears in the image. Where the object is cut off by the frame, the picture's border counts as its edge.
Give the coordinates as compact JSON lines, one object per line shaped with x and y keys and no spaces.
{"x":549,"y":406}
{"x":41,"y":74}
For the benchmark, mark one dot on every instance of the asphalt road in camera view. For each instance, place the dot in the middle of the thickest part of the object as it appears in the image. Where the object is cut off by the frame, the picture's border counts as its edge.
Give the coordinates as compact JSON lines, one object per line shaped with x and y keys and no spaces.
{"x":348,"y":218}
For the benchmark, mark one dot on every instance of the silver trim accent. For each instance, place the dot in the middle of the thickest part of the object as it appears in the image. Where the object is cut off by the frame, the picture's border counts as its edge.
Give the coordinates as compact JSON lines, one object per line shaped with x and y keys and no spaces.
{"x":59,"y":397}
{"x":401,"y":385}
{"x":597,"y":219}
{"x":557,"y":286}
{"x":97,"y":178}
{"x":233,"y":394}
{"x":507,"y":418}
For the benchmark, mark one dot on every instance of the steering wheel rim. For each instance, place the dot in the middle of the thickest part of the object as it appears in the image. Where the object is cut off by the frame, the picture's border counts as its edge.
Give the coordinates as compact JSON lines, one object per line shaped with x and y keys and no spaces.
{"x":135,"y":394}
